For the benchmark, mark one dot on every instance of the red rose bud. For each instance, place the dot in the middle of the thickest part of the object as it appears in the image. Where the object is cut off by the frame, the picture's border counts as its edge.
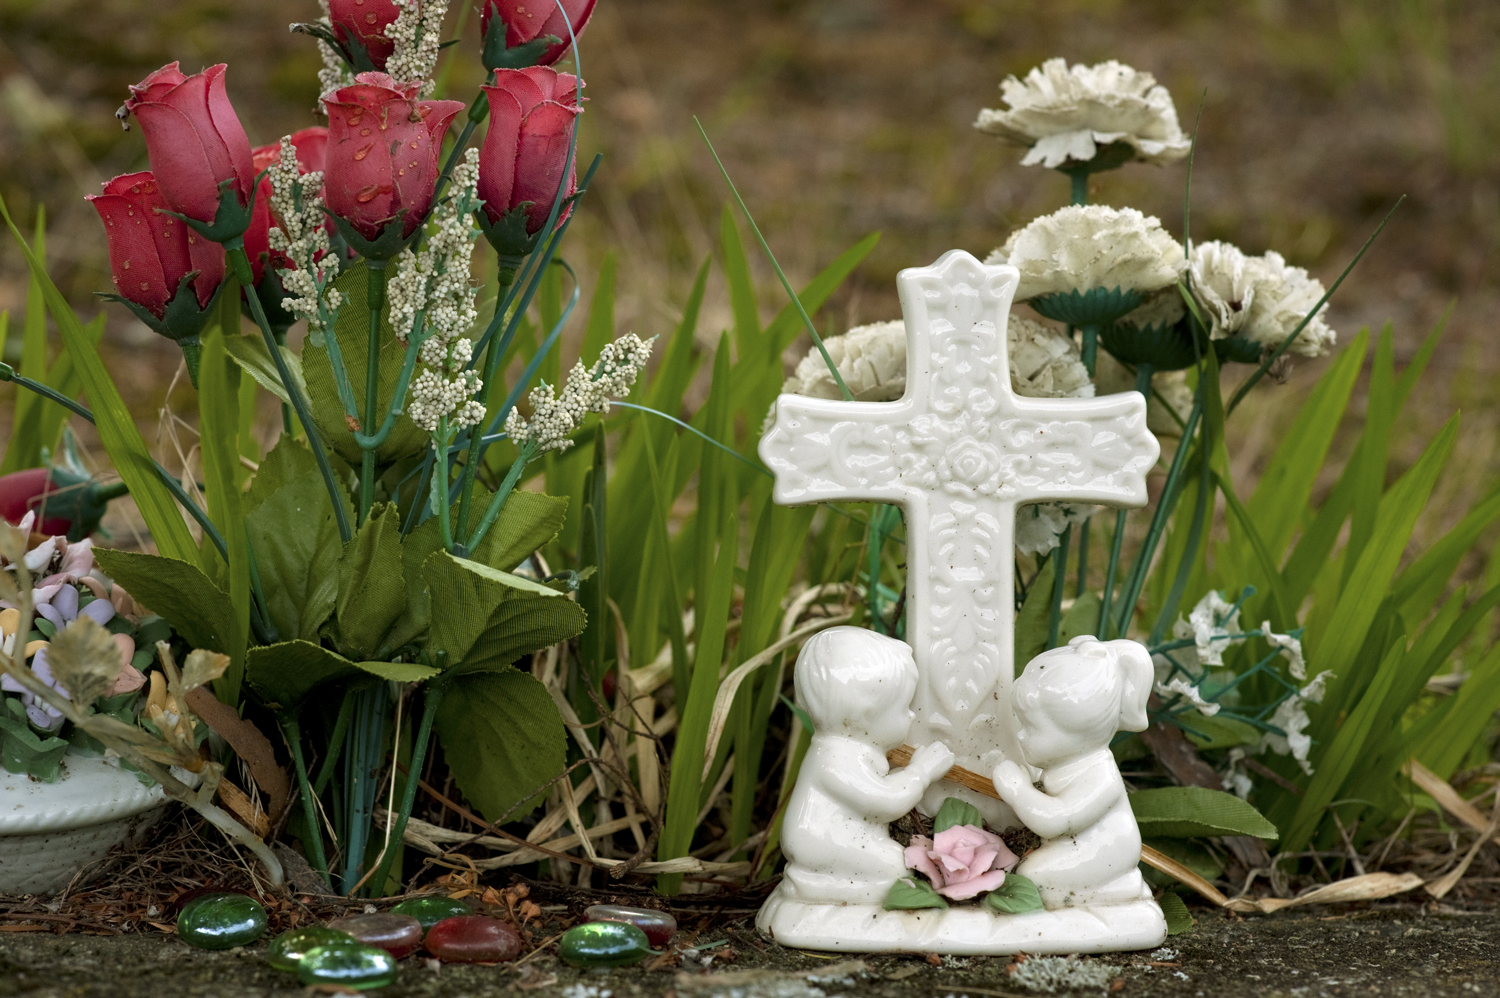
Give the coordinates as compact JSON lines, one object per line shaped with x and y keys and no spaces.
{"x":527,"y":20}
{"x":150,"y":252}
{"x":28,"y":490}
{"x":311,"y":145}
{"x":193,"y":138}
{"x":364,"y":22}
{"x":65,"y":498}
{"x":383,"y":147}
{"x":526,"y":148}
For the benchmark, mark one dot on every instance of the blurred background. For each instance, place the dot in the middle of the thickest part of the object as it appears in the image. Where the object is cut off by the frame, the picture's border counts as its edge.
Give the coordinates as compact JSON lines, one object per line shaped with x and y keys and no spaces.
{"x":842,"y":117}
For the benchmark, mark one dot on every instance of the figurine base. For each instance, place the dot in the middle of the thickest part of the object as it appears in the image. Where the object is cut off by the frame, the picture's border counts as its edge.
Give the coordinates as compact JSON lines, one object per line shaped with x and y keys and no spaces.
{"x":869,"y":928}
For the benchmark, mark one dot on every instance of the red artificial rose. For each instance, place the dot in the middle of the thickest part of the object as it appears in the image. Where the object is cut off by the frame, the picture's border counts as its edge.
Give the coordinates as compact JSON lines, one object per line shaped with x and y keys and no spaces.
{"x":365,"y":21}
{"x":150,"y":252}
{"x":383,"y":148}
{"x":531,"y":125}
{"x":311,"y":145}
{"x":528,"y":19}
{"x":25,"y":491}
{"x":193,"y":138}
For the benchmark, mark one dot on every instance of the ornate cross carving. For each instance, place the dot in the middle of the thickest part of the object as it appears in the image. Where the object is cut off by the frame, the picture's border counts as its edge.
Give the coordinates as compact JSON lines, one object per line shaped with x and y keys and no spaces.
{"x":959,"y":452}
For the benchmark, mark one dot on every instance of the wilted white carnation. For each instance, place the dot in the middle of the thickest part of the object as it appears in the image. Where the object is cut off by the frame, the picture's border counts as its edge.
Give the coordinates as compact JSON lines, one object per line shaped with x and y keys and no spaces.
{"x":1259,"y":297}
{"x":1169,"y":389}
{"x":1081,"y":247}
{"x":1065,"y":113}
{"x":1291,"y":716}
{"x":1044,"y":362}
{"x":1179,"y":686}
{"x":1211,"y":624}
{"x":417,"y":34}
{"x":1039,"y":525}
{"x":554,"y":417}
{"x":871,"y":359}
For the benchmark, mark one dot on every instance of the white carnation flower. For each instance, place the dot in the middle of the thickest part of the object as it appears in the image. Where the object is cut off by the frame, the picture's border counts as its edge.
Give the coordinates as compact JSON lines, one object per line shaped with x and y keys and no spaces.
{"x":1259,"y":297}
{"x":1082,"y":247}
{"x":1066,"y":113}
{"x":1181,"y":687}
{"x":1291,"y":717}
{"x":1164,"y":308}
{"x":1044,"y":363}
{"x":1210,"y":625}
{"x":871,"y":359}
{"x":1039,"y":525}
{"x":1169,"y":389}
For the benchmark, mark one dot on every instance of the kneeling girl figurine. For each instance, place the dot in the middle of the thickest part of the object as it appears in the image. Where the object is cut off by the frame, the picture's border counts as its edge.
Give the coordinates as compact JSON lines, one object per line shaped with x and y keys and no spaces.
{"x":1069,"y":703}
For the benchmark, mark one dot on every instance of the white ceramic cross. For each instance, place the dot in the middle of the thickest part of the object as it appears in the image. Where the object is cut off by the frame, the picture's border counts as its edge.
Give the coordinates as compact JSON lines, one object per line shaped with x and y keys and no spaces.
{"x":959,"y":452}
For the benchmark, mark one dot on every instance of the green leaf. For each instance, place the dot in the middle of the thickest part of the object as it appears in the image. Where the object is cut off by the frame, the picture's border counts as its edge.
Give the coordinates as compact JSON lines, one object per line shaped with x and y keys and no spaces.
{"x":371,"y":584}
{"x":1032,"y":622}
{"x":910,"y":894}
{"x":219,"y":422}
{"x":297,"y":547}
{"x":1176,"y":912}
{"x":741,"y":285}
{"x":178,"y":592}
{"x":287,"y":461}
{"x":956,"y":812}
{"x":491,"y":618}
{"x":24,"y":751}
{"x":1016,"y":896}
{"x":504,"y":740}
{"x":284,"y":674}
{"x":601,"y":322}
{"x":24,"y":449}
{"x":1188,"y":812}
{"x":1082,"y":618}
{"x":117,"y":431}
{"x":352,"y":330}
{"x":1443,"y":736}
{"x":1220,"y":731}
{"x":250,"y":353}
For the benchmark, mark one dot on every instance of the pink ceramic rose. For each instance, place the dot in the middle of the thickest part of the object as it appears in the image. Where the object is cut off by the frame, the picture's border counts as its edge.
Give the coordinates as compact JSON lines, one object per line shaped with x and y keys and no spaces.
{"x":962,"y":861}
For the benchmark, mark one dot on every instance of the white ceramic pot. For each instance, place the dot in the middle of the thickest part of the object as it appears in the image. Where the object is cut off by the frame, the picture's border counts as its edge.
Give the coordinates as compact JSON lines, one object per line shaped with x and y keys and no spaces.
{"x":51,"y":831}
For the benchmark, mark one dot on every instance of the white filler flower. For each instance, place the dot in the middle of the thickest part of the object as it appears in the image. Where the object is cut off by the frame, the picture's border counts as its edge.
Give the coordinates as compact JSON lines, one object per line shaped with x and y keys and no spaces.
{"x":1082,"y":247}
{"x":1261,"y":298}
{"x":1066,"y":113}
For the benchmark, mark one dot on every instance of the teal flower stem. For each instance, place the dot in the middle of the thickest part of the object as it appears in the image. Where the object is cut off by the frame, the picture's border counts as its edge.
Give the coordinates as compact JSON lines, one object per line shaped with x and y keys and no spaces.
{"x":291,"y":725}
{"x":432,"y":697}
{"x":235,"y":251}
{"x":375,"y":300}
{"x":362,"y":764}
{"x":440,"y":441}
{"x":335,"y":742}
{"x":1083,"y":557}
{"x":286,"y":409}
{"x":1080,"y":179}
{"x":1105,"y":625}
{"x":1090,"y":347}
{"x":1059,"y":583}
{"x":493,"y":352}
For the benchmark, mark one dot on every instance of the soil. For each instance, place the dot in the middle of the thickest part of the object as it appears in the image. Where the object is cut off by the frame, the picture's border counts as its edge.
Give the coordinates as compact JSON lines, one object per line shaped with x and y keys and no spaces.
{"x":1385,"y":950}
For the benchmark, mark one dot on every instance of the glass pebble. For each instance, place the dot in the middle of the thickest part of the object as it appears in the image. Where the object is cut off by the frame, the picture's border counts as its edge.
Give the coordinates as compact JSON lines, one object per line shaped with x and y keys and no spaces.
{"x":430,"y":911}
{"x":473,"y":939}
{"x":287,"y":950}
{"x":221,"y":921}
{"x":398,"y":935}
{"x":658,"y":925}
{"x":349,"y":965}
{"x":604,"y":944}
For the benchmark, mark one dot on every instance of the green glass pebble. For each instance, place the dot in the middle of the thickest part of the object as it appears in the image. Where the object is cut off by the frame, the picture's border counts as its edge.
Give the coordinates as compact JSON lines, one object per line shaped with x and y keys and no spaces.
{"x":287,"y":950}
{"x":221,"y":921}
{"x":430,"y":911}
{"x":349,"y":965}
{"x":604,"y":944}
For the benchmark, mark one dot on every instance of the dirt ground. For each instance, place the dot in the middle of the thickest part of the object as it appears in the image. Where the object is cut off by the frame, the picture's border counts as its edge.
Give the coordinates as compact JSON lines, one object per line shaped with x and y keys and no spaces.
{"x":1387,"y":950}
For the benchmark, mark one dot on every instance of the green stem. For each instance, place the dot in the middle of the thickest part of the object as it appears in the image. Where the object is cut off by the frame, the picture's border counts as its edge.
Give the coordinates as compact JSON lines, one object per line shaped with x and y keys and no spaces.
{"x":528,"y":451}
{"x":394,"y":844}
{"x":286,"y":410}
{"x":440,"y":483}
{"x":1090,"y":347}
{"x":1080,"y":179}
{"x":492,"y":358}
{"x":1059,"y":583}
{"x":192,"y":350}
{"x":335,"y":742}
{"x":235,"y":251}
{"x":265,"y":631}
{"x":375,"y":299}
{"x":293,"y":729}
{"x":108,"y":493}
{"x":1105,"y":624}
{"x":1083,"y":557}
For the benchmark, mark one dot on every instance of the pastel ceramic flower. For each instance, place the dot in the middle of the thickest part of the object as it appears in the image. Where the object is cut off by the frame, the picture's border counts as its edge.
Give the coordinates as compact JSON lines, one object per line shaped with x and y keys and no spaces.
{"x":193,"y":137}
{"x":871,"y":359}
{"x":1261,"y":298}
{"x":1065,"y":113}
{"x":962,"y":861}
{"x":1082,"y":247}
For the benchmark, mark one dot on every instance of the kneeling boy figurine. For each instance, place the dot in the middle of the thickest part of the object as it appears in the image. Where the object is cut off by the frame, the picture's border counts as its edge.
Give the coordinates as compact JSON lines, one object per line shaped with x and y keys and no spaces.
{"x":1069,"y":704}
{"x":857,"y":688}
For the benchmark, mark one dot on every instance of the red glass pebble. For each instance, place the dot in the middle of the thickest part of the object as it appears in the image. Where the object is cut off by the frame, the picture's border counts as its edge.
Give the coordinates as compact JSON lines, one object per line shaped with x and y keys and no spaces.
{"x":658,"y":925}
{"x":473,"y":939}
{"x":398,"y":935}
